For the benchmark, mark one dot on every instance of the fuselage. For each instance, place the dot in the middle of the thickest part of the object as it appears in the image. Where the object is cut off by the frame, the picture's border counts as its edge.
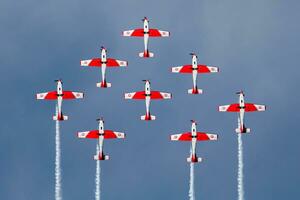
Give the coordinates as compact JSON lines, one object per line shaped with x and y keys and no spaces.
{"x":101,"y":138}
{"x":242,"y":111}
{"x":194,"y":141}
{"x":146,"y":33}
{"x":147,"y":98}
{"x":59,"y":98}
{"x":195,"y":71}
{"x":103,"y":64}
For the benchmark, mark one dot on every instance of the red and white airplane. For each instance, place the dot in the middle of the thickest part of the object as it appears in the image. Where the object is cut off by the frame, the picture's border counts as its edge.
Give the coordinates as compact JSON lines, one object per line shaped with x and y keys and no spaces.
{"x":59,"y":95}
{"x":103,"y":62}
{"x":241,"y":108}
{"x":148,"y":95}
{"x":101,"y":134}
{"x":195,"y":69}
{"x":146,"y":32}
{"x":194,"y":136}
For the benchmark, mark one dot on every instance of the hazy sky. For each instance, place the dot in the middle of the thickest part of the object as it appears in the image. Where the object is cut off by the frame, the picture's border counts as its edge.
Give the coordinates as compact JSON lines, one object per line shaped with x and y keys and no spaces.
{"x":254,"y":43}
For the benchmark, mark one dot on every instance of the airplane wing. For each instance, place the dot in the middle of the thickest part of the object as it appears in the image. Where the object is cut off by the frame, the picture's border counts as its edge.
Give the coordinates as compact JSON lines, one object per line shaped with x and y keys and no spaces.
{"x":134,"y":33}
{"x":250,"y":107}
{"x":230,"y":108}
{"x":206,"y":136}
{"x":109,"y":134}
{"x":158,"y":33}
{"x":53,"y":95}
{"x":187,"y":136}
{"x":135,"y":95}
{"x":72,"y":95}
{"x":142,"y":95}
{"x":160,"y":95}
{"x":47,"y":95}
{"x":96,"y":62}
{"x":207,"y":69}
{"x":189,"y":69}
{"x":94,"y":134}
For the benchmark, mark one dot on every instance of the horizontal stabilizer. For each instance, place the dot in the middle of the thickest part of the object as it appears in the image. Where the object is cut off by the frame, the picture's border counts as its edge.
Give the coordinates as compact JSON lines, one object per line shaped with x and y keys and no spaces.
{"x":62,"y":118}
{"x":148,"y":117}
{"x":99,"y":157}
{"x":146,"y":54}
{"x":245,"y":130}
{"x":103,"y":85}
{"x":195,"y":91}
{"x":189,"y":159}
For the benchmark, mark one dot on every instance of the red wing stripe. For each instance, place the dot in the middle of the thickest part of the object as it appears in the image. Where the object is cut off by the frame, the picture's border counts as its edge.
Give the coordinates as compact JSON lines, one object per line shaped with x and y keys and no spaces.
{"x":109,"y":134}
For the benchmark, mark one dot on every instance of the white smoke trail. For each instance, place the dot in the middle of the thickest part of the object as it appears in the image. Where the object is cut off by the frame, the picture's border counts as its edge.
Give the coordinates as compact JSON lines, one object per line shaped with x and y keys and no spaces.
{"x":240,"y":169}
{"x":191,"y":190}
{"x":58,"y":192}
{"x":97,"y":177}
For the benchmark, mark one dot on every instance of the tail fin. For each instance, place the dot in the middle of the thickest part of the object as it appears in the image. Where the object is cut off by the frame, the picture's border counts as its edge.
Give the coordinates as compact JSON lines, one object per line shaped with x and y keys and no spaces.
{"x":146,"y":54}
{"x":60,"y":118}
{"x":148,"y":117}
{"x":101,"y":157}
{"x":194,"y":160}
{"x":103,"y":84}
{"x":195,"y":91}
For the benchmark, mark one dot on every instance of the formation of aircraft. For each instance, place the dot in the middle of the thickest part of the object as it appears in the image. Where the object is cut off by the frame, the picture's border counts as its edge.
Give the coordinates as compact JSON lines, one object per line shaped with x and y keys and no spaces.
{"x":195,"y":69}
{"x":241,"y":108}
{"x":101,"y":134}
{"x":59,"y":95}
{"x":193,"y":136}
{"x":148,"y":95}
{"x":146,"y":32}
{"x":103,"y":62}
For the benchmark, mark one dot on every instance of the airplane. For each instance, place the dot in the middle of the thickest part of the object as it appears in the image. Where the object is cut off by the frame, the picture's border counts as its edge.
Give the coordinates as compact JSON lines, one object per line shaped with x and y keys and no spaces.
{"x":59,"y":95}
{"x":103,"y":62}
{"x":242,"y":107}
{"x":194,"y":136}
{"x":146,"y":32}
{"x":148,"y":95}
{"x":194,"y":69}
{"x":101,"y":134}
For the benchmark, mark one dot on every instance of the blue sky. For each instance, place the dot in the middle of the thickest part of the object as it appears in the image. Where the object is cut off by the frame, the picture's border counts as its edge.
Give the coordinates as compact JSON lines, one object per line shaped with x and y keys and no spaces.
{"x":255,"y":44}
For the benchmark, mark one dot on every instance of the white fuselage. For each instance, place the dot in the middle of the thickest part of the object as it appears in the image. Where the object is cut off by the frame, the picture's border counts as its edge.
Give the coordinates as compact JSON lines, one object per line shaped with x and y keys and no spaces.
{"x":147,"y":98}
{"x":59,"y":98}
{"x":101,"y":137}
{"x":195,"y":71}
{"x":194,"y":140}
{"x":242,"y":111}
{"x":103,"y":64}
{"x":146,"y":34}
